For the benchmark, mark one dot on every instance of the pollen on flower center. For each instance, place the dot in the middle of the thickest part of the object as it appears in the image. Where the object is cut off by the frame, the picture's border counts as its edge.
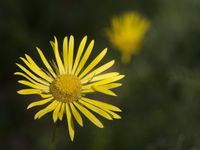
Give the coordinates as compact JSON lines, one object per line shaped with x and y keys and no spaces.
{"x":66,"y":88}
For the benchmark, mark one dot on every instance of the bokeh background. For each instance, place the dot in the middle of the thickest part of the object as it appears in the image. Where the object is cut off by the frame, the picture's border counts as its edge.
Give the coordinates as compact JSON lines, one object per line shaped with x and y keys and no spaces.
{"x":160,"y":96}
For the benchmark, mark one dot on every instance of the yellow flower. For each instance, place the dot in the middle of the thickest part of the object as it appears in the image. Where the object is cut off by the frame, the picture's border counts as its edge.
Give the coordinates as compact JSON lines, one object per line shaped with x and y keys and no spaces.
{"x":126,"y":33}
{"x":63,"y":85}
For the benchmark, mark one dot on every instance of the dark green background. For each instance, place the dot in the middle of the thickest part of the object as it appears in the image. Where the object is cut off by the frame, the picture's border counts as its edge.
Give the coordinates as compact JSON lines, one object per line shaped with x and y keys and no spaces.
{"x":160,"y":96}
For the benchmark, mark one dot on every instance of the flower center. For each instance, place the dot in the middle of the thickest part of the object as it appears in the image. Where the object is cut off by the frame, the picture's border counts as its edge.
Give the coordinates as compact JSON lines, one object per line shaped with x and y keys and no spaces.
{"x":66,"y":88}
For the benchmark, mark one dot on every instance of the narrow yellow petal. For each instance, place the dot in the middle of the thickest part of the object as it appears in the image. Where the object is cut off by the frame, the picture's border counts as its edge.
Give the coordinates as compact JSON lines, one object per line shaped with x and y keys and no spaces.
{"x":34,"y":67}
{"x":27,"y":77}
{"x":71,"y":53}
{"x":103,"y":82}
{"x":99,"y":89}
{"x":114,"y":115}
{"x":46,"y":110}
{"x":79,"y":53}
{"x":39,"y":103}
{"x":100,"y":77}
{"x":45,"y":95}
{"x":45,"y":62}
{"x":89,"y":115}
{"x":56,"y":112}
{"x":88,"y":91}
{"x":106,"y":107}
{"x":102,"y":104}
{"x":65,"y":54}
{"x":111,"y":85}
{"x":57,"y":56}
{"x":98,"y":70}
{"x":62,"y":111}
{"x":34,"y":86}
{"x":76,"y":115}
{"x":32,"y":75}
{"x":103,"y":90}
{"x":70,"y":122}
{"x":29,"y":91}
{"x":85,"y":57}
{"x":96,"y":109}
{"x":55,"y":66}
{"x":93,"y":63}
{"x":107,"y":87}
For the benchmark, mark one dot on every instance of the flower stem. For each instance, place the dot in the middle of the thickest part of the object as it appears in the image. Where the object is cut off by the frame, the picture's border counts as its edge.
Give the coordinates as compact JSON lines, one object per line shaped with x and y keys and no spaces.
{"x":53,"y":137}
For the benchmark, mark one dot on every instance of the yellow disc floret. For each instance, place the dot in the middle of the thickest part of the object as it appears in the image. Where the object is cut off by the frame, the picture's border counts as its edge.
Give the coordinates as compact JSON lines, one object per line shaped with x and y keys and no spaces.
{"x":66,"y":88}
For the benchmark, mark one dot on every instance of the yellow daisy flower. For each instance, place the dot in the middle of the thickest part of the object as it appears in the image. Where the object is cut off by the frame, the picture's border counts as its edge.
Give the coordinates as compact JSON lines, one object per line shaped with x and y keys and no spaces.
{"x":126,"y":33}
{"x":63,"y":85}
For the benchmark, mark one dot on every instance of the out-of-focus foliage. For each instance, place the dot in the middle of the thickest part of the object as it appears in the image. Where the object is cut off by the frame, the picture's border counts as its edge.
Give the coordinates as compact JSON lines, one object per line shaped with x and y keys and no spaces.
{"x":161,"y":93}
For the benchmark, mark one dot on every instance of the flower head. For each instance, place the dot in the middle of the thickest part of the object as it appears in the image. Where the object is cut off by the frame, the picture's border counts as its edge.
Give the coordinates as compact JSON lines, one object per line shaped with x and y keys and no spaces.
{"x":64,"y":84}
{"x":126,"y":33}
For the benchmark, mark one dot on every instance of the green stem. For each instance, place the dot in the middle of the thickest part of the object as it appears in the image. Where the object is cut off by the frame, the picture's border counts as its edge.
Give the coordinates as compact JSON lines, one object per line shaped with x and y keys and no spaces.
{"x":125,"y":58}
{"x":54,"y":132}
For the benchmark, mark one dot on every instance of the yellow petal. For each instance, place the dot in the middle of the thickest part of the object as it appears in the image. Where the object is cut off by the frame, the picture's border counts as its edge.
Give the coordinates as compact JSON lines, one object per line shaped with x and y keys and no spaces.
{"x":99,"y":89}
{"x":101,"y":77}
{"x":103,"y":82}
{"x":34,"y":67}
{"x":46,"y":110}
{"x":93,"y":63}
{"x":45,"y":62}
{"x":102,"y":104}
{"x":29,"y":91}
{"x":39,"y":103}
{"x":70,"y":122}
{"x":56,"y":112}
{"x":105,"y":76}
{"x":79,"y":53}
{"x":25,"y":76}
{"x":45,"y":95}
{"x":32,"y":75}
{"x":76,"y":115}
{"x":88,"y":91}
{"x":65,"y":54}
{"x":71,"y":53}
{"x":62,"y":111}
{"x":97,"y":110}
{"x":111,"y":85}
{"x":89,"y":115}
{"x":98,"y":71}
{"x":55,"y":66}
{"x":34,"y":86}
{"x":114,"y":115}
{"x":85,"y":57}
{"x":107,"y":87}
{"x":57,"y":56}
{"x":103,"y":90}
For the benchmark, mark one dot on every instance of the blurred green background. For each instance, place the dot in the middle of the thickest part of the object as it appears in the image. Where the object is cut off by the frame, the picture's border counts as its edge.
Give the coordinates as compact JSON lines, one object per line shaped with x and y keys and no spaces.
{"x":160,"y":96}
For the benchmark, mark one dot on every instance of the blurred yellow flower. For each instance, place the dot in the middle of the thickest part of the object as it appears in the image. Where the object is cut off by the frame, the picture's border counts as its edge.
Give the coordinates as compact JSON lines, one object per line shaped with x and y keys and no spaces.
{"x":64,"y":84}
{"x":127,"y":33}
